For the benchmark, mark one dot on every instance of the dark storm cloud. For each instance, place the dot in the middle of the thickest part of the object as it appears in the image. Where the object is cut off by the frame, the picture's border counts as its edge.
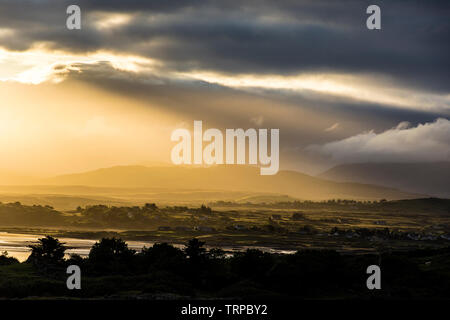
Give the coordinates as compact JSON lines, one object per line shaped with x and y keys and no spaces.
{"x":280,"y":37}
{"x":228,"y":107}
{"x":303,"y":116}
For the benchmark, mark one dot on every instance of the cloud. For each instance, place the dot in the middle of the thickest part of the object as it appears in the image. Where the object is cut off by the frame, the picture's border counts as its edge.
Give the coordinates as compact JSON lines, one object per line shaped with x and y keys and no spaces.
{"x":301,"y":117}
{"x":307,"y":67}
{"x":191,"y":96}
{"x":403,"y":125}
{"x":255,"y":37}
{"x":284,"y":49}
{"x":333,"y":127}
{"x":425,"y":142}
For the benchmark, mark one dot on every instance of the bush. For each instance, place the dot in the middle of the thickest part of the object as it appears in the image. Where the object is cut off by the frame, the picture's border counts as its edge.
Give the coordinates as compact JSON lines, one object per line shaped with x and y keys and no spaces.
{"x":6,"y":261}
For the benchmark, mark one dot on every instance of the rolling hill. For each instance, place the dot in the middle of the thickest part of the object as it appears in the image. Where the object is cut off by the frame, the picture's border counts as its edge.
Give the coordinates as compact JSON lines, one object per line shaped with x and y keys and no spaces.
{"x":227,"y":178}
{"x":426,"y":178}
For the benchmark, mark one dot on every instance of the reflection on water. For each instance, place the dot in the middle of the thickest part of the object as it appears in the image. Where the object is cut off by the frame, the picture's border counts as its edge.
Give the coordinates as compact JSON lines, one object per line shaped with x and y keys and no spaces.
{"x":17,"y":244}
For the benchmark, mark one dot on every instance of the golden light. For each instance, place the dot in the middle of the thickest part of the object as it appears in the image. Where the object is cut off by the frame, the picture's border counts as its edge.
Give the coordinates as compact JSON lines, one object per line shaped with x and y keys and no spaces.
{"x":37,"y":65}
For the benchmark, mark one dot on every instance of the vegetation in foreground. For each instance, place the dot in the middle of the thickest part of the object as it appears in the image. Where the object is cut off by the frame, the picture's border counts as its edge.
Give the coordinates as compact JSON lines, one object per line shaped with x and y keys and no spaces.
{"x":112,"y":270}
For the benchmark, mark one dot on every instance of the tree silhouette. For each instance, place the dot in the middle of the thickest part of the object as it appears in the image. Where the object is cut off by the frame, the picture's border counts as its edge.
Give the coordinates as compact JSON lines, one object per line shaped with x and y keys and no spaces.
{"x":47,"y":255}
{"x":194,"y":250}
{"x":5,"y":259}
{"x":163,"y":256}
{"x":111,"y":255}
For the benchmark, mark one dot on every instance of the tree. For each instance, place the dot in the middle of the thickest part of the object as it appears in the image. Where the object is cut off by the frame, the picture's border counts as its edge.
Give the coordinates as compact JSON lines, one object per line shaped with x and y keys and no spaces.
{"x":6,"y":260}
{"x":216,"y":253}
{"x":251,"y":263}
{"x":48,"y":251}
{"x":197,"y":265}
{"x":163,"y":256}
{"x":194,"y":250}
{"x":111,"y":255}
{"x":205,"y":210}
{"x":150,"y":206}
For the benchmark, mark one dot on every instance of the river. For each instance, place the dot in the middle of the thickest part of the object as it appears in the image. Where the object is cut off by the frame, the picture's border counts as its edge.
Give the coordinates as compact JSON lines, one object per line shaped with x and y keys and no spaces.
{"x":16,"y":244}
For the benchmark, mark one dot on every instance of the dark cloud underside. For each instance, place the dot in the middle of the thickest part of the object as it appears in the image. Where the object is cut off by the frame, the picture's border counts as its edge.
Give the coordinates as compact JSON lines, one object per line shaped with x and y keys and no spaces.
{"x":279,"y":37}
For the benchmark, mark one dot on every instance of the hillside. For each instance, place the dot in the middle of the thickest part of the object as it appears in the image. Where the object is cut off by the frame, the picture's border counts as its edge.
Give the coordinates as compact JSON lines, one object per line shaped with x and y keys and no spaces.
{"x":227,"y":178}
{"x":425,"y":178}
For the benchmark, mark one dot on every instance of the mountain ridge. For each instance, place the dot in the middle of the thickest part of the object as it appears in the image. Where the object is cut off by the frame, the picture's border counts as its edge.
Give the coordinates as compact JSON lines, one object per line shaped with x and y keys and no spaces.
{"x":231,"y":178}
{"x":431,"y":178}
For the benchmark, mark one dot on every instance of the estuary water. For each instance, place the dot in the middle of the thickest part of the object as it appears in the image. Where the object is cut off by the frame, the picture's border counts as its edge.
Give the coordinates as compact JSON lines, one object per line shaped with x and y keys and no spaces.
{"x":16,"y":244}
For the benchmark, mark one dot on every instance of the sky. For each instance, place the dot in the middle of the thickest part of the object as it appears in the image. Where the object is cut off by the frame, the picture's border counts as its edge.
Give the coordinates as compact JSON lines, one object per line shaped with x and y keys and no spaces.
{"x":112,"y":92}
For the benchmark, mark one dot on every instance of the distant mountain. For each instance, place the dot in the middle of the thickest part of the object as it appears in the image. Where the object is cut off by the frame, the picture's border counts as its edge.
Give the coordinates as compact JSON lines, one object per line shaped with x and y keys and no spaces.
{"x":227,"y":178}
{"x":425,"y":178}
{"x":69,"y":197}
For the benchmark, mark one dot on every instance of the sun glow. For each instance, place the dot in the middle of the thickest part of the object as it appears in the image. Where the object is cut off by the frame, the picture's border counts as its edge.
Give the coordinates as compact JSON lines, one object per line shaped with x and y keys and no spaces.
{"x":79,"y":128}
{"x":108,"y":21}
{"x":38,"y":65}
